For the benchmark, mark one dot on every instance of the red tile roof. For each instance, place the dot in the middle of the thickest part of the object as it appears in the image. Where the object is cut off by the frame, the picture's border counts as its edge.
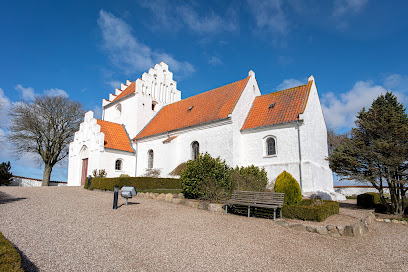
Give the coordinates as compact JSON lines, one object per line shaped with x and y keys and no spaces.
{"x":288,"y":104}
{"x":115,"y":136}
{"x":168,"y":140}
{"x":129,"y":89}
{"x":205,"y":107}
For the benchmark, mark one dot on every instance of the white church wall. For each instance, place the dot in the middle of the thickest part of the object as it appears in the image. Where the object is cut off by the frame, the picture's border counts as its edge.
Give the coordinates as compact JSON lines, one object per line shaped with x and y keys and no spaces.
{"x":215,"y":138}
{"x":239,"y":115}
{"x":108,"y":160}
{"x":317,"y":174}
{"x":89,"y":144}
{"x":287,"y":155}
{"x":155,"y":87}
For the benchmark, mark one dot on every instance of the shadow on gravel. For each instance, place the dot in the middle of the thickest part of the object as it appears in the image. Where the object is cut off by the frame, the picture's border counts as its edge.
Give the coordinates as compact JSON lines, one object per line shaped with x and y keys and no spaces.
{"x":6,"y":198}
{"x":348,"y":205}
{"x":130,"y":203}
{"x":26,"y":264}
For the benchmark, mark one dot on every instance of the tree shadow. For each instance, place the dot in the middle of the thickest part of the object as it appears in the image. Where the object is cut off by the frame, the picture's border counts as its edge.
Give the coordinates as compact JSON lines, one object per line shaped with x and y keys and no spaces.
{"x":6,"y":198}
{"x":26,"y":264}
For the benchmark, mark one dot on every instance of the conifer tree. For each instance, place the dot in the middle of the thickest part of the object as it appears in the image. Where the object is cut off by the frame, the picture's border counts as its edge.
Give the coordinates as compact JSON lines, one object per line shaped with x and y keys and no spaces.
{"x":376,"y":151}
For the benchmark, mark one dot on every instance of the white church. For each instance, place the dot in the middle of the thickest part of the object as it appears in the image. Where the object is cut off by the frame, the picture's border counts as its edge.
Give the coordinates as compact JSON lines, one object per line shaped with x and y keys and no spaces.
{"x":146,"y":125}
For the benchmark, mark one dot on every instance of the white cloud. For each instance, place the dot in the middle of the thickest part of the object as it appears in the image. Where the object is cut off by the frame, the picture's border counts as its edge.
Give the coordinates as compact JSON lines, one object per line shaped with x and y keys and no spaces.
{"x":55,"y":92}
{"x":215,"y":61}
{"x":289,"y":83}
{"x":97,"y":112}
{"x":210,"y":23}
{"x":340,"y":110}
{"x":268,"y":14}
{"x":26,"y":94}
{"x":191,"y":16}
{"x":114,"y":84}
{"x":343,"y":9}
{"x":346,"y":7}
{"x":127,"y":53}
{"x":396,"y":82}
{"x":5,"y":105}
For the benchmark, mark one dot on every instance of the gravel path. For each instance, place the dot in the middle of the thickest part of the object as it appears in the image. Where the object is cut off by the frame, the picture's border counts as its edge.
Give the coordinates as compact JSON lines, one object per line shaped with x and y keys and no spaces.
{"x":72,"y":229}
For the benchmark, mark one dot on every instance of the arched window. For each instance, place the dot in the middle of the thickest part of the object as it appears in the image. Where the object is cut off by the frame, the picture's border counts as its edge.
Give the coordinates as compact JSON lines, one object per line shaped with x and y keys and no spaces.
{"x":195,"y":149}
{"x":118,"y":110}
{"x":118,"y":165}
{"x":270,"y":146}
{"x":154,"y":103}
{"x":150,"y":159}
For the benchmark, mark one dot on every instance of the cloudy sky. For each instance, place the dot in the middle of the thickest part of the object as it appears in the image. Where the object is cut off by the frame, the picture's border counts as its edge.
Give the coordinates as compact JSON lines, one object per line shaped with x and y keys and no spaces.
{"x":355,"y":49}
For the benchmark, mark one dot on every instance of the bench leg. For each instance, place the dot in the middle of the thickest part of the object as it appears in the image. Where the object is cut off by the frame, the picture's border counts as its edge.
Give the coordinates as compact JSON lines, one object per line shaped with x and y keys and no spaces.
{"x":281,"y":212}
{"x":226,"y":208}
{"x":274,"y":214}
{"x":249,"y":211}
{"x":126,"y":201}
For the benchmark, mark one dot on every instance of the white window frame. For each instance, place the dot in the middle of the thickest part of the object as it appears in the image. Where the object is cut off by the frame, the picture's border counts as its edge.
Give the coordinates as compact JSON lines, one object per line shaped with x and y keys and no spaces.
{"x":265,"y":146}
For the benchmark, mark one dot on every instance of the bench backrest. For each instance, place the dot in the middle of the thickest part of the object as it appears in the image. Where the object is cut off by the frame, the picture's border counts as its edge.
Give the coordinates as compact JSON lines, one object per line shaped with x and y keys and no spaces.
{"x":258,"y":197}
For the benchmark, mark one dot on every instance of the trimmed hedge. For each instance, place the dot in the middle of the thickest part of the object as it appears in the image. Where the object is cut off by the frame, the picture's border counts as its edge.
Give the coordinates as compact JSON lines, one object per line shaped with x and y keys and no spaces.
{"x":10,"y":260}
{"x":311,"y":210}
{"x":287,"y":184}
{"x":140,"y":183}
{"x":368,"y":200}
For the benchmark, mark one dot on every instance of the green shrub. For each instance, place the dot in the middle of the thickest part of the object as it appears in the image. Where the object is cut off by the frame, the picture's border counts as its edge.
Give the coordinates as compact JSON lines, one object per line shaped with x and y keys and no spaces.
{"x":179,"y":169}
{"x":368,"y":200}
{"x":5,"y":175}
{"x":311,"y":210}
{"x":124,"y":176}
{"x":287,"y":184}
{"x":206,"y":178}
{"x":140,"y":183}
{"x":10,"y":260}
{"x":250,"y":178}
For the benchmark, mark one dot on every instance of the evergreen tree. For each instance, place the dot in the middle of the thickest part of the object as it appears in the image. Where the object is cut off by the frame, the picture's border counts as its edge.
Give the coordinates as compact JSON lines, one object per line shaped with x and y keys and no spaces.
{"x":376,"y":151}
{"x":5,"y":175}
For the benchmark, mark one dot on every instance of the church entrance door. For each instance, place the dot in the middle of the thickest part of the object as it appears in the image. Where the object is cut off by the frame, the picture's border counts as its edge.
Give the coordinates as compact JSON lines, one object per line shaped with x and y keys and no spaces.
{"x":84,"y":171}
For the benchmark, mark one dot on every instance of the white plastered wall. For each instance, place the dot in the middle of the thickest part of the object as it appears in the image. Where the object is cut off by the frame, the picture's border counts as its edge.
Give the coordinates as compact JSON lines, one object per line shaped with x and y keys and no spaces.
{"x":315,"y":168}
{"x":155,"y":87}
{"x":287,"y":154}
{"x":239,"y":115}
{"x":214,"y":138}
{"x":89,"y":144}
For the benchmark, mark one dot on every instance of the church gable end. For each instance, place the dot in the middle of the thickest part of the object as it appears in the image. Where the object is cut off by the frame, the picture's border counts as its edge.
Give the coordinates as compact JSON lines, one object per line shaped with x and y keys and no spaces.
{"x":206,"y":107}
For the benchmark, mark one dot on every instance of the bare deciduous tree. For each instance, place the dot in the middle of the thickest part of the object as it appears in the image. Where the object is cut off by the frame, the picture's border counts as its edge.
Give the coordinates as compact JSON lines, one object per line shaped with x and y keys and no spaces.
{"x":45,"y":127}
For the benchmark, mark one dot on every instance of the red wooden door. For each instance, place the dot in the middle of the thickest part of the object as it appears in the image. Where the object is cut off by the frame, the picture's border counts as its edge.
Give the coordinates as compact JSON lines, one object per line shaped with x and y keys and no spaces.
{"x":84,"y":171}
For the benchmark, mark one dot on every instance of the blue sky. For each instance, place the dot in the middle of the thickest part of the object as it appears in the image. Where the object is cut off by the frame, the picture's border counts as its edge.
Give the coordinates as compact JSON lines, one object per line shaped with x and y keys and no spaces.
{"x":355,"y":49}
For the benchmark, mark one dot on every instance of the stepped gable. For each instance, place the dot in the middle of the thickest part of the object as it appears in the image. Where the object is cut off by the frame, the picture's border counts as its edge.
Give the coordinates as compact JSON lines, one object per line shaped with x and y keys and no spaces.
{"x":130,"y":89}
{"x":115,"y":136}
{"x":209,"y":106}
{"x":279,"y":107}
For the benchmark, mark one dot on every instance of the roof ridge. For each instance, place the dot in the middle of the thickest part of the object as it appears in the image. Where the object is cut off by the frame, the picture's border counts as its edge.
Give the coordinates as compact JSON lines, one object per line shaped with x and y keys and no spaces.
{"x":196,"y":95}
{"x":284,"y":90}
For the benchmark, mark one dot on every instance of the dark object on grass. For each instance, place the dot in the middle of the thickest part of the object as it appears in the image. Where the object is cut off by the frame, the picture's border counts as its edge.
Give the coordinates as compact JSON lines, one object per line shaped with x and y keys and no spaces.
{"x":89,"y":182}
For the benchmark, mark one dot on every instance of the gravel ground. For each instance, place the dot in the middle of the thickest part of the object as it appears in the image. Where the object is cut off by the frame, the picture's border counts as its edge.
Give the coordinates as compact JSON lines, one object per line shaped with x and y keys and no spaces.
{"x":72,"y":229}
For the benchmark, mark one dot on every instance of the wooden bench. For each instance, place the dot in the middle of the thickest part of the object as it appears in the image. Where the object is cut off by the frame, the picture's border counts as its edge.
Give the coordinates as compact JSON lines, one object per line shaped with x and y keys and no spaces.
{"x":257,"y":199}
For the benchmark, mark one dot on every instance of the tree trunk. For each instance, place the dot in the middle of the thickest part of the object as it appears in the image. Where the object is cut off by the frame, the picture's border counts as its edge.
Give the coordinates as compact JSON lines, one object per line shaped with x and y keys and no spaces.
{"x":46,"y":175}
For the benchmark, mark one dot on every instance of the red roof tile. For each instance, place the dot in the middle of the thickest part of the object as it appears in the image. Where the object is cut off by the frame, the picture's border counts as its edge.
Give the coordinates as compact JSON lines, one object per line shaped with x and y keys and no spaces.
{"x":288,"y":104}
{"x":205,"y":107}
{"x":168,"y":140}
{"x":130,"y":89}
{"x":115,"y":136}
